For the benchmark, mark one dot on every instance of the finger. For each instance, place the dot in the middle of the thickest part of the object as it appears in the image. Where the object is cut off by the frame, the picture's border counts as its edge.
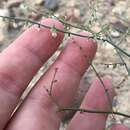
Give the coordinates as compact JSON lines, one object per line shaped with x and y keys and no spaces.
{"x":20,"y":61}
{"x":95,"y":99}
{"x":119,"y":127}
{"x":40,"y":108}
{"x":81,"y":91}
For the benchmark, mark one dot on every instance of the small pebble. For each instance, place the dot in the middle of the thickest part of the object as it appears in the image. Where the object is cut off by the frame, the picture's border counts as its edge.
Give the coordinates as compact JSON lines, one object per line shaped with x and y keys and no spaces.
{"x":115,"y":34}
{"x":39,"y":2}
{"x":51,"y":4}
{"x":120,"y":27}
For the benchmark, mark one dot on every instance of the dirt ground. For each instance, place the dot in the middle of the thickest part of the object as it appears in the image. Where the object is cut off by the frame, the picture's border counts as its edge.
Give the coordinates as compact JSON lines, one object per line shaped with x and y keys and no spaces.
{"x":113,"y":15}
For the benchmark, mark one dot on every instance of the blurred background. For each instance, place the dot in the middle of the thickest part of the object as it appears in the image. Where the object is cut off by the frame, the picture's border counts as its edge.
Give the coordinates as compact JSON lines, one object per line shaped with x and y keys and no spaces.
{"x":107,"y":18}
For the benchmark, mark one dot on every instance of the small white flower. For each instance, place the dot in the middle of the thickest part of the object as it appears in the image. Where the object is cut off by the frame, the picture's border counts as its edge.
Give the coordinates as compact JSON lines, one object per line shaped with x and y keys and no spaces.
{"x":54,"y":34}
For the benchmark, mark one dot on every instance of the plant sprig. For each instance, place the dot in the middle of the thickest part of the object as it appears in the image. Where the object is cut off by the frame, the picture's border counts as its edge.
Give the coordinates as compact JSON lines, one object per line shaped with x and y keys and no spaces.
{"x":66,"y":32}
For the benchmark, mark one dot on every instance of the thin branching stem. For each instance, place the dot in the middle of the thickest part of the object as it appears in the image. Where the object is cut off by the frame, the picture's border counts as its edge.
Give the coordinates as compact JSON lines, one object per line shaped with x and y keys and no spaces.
{"x":17,"y":19}
{"x":94,"y":111}
{"x":113,"y":64}
{"x":98,"y":76}
{"x":118,"y":52}
{"x":53,"y":81}
{"x":103,"y":85}
{"x":66,"y":32}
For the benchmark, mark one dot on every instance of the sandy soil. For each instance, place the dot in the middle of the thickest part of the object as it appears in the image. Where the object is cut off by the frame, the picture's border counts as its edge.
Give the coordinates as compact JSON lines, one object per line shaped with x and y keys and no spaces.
{"x":111,"y":13}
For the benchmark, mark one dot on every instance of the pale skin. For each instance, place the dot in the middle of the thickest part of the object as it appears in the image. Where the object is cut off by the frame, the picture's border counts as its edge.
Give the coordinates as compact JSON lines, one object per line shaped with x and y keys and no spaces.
{"x":20,"y":62}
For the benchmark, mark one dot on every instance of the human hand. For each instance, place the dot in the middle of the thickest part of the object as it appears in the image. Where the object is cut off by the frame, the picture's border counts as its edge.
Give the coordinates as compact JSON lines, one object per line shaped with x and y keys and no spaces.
{"x":20,"y":62}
